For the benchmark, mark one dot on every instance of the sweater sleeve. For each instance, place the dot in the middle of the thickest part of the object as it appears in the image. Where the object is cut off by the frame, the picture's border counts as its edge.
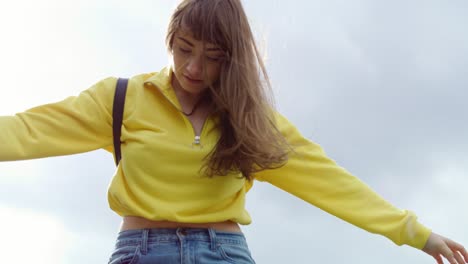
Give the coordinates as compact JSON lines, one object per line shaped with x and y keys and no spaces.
{"x":77,"y":124}
{"x":315,"y":178}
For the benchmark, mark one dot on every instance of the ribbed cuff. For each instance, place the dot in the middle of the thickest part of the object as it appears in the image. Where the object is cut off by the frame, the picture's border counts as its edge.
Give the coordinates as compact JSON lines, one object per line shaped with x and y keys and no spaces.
{"x":418,"y":234}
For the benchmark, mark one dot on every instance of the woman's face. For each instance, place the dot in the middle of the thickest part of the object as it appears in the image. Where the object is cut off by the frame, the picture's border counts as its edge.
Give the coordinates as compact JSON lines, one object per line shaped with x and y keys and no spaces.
{"x":195,"y":67}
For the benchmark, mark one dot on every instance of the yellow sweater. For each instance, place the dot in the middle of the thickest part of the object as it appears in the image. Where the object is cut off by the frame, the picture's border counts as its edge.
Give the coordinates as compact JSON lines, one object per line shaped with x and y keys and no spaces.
{"x":158,"y":177}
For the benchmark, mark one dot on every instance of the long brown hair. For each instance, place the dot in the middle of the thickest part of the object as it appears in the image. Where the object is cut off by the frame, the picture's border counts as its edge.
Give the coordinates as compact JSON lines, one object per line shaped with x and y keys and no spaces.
{"x":242,"y":97}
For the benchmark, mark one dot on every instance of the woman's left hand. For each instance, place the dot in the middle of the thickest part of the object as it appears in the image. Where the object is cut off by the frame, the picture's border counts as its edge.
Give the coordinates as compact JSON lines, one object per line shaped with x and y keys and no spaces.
{"x":438,"y":246}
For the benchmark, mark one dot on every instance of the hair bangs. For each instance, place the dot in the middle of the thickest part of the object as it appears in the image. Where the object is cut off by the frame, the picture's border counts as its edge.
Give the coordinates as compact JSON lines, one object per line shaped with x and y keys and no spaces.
{"x":205,"y":22}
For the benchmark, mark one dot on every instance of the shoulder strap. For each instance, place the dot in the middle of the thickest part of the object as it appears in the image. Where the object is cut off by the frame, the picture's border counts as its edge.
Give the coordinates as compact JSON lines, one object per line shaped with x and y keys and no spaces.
{"x":117,"y":115}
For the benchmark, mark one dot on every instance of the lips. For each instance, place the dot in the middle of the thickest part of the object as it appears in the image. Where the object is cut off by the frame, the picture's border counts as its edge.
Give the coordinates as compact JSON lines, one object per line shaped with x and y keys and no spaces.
{"x":195,"y":81}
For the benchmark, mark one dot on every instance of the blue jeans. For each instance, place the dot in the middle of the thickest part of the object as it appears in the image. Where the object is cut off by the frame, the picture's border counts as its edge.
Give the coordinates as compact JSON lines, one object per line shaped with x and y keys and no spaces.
{"x":180,"y":246}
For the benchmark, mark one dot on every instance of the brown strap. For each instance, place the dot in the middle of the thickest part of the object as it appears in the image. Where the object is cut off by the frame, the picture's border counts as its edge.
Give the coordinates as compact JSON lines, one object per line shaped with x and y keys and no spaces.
{"x":117,"y":116}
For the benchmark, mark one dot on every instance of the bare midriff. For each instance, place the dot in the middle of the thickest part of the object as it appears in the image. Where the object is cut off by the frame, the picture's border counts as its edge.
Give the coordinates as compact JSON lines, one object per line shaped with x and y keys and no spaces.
{"x":135,"y":222}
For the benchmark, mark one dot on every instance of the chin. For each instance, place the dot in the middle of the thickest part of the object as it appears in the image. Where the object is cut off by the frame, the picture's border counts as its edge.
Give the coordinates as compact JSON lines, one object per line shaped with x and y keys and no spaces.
{"x":194,"y":89}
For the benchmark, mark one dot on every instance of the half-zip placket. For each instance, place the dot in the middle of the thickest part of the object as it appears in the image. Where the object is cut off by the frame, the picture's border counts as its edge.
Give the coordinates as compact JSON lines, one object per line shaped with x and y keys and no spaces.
{"x":197,"y":138}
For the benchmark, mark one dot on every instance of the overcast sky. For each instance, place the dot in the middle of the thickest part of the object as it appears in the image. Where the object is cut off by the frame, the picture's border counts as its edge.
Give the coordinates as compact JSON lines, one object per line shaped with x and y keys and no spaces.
{"x":380,"y":85}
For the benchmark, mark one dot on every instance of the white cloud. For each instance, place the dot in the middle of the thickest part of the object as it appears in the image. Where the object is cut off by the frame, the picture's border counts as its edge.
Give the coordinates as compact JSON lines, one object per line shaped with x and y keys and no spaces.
{"x":28,"y":174}
{"x":32,"y":237}
{"x":442,"y":193}
{"x":77,"y":43}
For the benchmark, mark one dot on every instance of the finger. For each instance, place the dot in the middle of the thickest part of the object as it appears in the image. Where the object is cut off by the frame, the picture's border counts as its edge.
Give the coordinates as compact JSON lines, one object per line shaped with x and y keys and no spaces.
{"x":465,"y":255}
{"x":463,"y":252}
{"x":448,"y":254}
{"x":459,"y":258}
{"x":451,"y":259}
{"x":457,"y":247}
{"x":439,"y":259}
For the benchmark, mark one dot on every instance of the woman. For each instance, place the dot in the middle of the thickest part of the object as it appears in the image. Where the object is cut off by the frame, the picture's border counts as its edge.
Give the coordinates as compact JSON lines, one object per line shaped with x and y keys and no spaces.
{"x":195,"y":136}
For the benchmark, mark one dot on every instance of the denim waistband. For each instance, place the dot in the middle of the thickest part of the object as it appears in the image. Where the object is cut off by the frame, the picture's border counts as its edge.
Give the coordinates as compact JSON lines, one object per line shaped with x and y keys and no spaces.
{"x":143,"y":237}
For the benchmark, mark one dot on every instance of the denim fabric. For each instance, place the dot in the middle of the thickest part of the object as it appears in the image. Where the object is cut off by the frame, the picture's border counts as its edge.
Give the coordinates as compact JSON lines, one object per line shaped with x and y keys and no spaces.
{"x":180,"y":246}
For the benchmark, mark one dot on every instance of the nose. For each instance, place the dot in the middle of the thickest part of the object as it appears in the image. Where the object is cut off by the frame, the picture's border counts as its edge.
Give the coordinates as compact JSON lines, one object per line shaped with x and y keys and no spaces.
{"x":195,"y":67}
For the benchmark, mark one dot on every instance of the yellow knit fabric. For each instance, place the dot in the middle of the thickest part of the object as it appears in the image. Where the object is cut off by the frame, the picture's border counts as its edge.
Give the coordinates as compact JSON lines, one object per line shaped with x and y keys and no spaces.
{"x":158,"y":177}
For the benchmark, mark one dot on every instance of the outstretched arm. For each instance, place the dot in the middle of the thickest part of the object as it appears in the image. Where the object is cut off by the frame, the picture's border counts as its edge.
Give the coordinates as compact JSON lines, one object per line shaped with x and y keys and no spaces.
{"x":312,"y":176}
{"x":77,"y":124}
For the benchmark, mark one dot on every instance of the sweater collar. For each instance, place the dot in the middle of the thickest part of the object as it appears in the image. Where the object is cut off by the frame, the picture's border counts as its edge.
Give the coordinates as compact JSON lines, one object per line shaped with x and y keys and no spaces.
{"x":162,"y":81}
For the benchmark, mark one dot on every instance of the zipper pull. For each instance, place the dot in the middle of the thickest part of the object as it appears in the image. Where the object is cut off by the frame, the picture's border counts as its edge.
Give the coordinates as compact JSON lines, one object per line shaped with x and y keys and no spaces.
{"x":196,"y":141}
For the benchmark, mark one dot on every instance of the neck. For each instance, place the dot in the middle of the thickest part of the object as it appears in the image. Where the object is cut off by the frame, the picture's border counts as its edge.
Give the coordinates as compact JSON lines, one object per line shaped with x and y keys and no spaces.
{"x":183,"y":95}
{"x":188,"y":101}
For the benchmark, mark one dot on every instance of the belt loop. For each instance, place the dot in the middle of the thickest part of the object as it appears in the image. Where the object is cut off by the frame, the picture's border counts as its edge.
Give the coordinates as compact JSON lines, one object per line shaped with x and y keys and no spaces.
{"x":213,"y":241}
{"x":144,"y":242}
